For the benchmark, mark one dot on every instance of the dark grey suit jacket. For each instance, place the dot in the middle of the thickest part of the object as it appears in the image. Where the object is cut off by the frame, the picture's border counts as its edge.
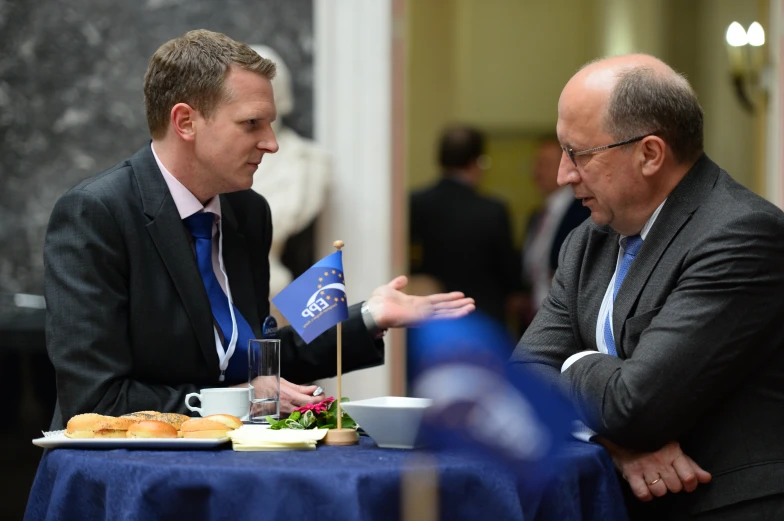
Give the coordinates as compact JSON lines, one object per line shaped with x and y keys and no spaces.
{"x":699,"y":328}
{"x":129,"y":325}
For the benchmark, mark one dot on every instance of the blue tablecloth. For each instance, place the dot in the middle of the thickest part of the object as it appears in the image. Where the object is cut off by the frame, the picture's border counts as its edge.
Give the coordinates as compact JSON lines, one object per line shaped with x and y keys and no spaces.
{"x":341,"y":483}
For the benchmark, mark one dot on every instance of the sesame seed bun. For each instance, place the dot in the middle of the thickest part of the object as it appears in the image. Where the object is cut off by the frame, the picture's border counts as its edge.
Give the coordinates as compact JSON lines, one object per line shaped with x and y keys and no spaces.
{"x":172,"y":418}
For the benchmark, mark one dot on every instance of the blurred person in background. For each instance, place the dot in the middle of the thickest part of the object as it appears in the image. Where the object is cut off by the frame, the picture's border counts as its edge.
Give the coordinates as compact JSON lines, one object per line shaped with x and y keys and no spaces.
{"x":459,"y":237}
{"x":548,"y":226}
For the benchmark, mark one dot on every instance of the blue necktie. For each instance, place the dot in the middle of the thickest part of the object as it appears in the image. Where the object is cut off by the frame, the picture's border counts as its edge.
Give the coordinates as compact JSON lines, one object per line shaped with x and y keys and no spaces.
{"x":200,"y":226}
{"x":633,"y":244}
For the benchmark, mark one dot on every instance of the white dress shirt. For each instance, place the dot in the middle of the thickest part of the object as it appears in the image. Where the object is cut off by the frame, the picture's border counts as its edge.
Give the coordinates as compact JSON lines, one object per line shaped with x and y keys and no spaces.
{"x":187,"y":204}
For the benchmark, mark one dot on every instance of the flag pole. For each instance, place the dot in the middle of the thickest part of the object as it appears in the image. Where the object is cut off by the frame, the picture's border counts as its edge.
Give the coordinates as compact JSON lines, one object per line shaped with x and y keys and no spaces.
{"x":338,"y":245}
{"x":340,"y":436}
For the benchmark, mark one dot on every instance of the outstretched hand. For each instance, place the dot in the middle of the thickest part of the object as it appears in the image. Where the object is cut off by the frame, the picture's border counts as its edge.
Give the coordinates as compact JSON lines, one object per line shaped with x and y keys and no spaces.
{"x":391,"y":307}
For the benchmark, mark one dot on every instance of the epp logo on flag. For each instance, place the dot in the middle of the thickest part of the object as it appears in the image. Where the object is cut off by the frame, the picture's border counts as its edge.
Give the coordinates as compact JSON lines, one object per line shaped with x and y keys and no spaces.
{"x":317,"y":300}
{"x":327,"y":294}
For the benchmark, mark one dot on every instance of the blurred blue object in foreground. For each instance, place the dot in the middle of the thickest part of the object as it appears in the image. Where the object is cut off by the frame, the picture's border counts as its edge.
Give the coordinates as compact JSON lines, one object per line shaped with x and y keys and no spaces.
{"x":483,"y":406}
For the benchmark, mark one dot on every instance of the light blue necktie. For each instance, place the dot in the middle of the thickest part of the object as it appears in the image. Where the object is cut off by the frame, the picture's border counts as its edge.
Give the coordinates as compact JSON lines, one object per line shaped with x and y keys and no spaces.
{"x":200,"y":226}
{"x":633,"y":244}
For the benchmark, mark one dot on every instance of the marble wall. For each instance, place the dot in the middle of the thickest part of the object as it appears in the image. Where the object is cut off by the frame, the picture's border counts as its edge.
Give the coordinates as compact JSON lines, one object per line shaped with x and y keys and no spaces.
{"x":71,"y":102}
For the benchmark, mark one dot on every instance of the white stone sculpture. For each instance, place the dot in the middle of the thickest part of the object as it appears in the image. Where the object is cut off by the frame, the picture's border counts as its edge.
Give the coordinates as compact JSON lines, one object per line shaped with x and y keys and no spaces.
{"x":294,"y":180}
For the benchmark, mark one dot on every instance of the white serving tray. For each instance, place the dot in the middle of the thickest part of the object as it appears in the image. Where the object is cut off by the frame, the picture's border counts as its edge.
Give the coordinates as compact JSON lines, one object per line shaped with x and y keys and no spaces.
{"x":57,"y":439}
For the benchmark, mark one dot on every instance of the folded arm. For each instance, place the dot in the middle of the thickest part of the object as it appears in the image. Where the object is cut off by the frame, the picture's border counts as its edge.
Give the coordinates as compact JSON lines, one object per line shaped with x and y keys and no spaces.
{"x":720,"y":322}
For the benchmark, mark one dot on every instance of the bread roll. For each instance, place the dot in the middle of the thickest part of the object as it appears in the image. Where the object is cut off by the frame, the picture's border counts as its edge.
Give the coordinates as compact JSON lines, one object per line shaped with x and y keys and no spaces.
{"x":151,"y":429}
{"x":213,"y":426}
{"x":92,"y":425}
{"x":142,"y":415}
{"x":227,"y":419}
{"x":172,"y":418}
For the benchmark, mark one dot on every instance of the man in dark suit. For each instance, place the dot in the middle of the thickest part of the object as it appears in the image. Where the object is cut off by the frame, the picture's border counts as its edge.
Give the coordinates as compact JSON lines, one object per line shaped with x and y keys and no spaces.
{"x":548,"y":227}
{"x":131,"y":314}
{"x":664,"y":320}
{"x":461,"y":238}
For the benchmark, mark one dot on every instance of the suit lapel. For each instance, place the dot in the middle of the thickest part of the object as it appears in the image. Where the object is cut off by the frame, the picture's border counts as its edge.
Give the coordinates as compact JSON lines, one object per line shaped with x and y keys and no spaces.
{"x":680,"y":205}
{"x":597,"y":270}
{"x":171,"y":239}
{"x":235,"y":258}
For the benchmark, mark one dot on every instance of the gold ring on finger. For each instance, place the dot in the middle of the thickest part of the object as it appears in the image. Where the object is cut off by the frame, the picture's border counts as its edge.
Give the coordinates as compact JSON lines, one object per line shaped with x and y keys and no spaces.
{"x":654,"y":481}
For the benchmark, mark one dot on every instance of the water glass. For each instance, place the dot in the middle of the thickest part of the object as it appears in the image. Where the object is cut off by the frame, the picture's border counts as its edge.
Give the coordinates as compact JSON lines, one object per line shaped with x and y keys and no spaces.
{"x":264,"y":379}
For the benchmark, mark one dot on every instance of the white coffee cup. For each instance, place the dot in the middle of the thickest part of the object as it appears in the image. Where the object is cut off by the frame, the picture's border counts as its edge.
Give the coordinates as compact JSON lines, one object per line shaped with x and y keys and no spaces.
{"x":221,"y":400}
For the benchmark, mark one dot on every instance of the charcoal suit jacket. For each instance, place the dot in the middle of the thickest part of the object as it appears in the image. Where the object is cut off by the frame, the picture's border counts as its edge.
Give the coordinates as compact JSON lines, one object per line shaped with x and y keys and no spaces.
{"x":699,"y":329}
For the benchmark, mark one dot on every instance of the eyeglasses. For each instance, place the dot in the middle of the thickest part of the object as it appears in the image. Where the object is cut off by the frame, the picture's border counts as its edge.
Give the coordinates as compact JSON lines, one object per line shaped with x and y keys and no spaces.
{"x":574,"y":154}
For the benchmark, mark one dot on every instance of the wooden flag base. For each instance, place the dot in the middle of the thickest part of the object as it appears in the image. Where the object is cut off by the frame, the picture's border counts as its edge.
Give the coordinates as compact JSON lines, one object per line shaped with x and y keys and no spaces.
{"x":341,"y":437}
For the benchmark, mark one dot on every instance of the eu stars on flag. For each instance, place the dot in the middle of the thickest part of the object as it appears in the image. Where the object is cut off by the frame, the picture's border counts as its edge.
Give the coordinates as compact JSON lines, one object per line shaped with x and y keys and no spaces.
{"x":316,"y":301}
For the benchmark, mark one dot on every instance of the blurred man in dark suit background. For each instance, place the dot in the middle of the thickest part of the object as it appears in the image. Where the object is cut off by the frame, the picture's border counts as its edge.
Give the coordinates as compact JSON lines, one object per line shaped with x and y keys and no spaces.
{"x":547,"y":228}
{"x":459,"y":237}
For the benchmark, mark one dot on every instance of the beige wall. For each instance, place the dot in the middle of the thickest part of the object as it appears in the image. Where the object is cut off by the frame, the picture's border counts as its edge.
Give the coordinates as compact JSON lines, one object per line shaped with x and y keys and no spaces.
{"x":514,"y":57}
{"x":431,"y":83}
{"x":631,"y":26}
{"x":729,"y":131}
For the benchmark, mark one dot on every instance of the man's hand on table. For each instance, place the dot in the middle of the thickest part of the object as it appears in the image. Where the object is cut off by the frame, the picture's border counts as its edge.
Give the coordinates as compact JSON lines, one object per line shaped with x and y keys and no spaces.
{"x":655,"y":473}
{"x":390,"y":307}
{"x":292,"y":395}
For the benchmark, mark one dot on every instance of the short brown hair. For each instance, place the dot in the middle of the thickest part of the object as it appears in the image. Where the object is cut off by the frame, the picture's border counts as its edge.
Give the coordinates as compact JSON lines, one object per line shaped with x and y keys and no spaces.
{"x":460,"y":146}
{"x":645,"y":101}
{"x":192,"y":69}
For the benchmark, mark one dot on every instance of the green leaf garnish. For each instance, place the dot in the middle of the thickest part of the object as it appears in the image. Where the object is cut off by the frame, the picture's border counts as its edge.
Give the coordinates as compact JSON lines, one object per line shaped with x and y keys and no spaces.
{"x":317,"y":416}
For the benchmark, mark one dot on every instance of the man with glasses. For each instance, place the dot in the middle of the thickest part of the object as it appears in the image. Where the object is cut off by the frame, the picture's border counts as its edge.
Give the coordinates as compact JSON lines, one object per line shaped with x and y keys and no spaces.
{"x":663,"y":322}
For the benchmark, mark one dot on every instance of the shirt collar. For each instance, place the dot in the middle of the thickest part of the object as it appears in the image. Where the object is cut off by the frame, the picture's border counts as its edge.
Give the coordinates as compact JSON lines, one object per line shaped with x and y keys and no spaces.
{"x":647,"y":227}
{"x":187,"y":204}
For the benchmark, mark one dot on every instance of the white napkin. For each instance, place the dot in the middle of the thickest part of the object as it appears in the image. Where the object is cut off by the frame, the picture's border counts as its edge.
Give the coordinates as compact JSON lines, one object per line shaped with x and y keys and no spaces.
{"x":261,"y":437}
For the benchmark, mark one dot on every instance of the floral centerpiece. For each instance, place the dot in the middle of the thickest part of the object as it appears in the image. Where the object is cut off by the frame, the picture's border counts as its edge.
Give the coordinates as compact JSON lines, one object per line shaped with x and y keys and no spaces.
{"x":321,"y":415}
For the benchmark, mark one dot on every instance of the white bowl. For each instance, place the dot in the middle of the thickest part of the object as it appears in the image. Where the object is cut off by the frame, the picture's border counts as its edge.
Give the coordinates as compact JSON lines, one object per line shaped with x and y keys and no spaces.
{"x":392,"y":421}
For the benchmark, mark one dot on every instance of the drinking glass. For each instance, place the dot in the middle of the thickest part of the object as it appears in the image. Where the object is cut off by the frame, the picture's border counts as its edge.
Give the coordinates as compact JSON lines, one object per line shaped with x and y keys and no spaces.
{"x":264,"y":379}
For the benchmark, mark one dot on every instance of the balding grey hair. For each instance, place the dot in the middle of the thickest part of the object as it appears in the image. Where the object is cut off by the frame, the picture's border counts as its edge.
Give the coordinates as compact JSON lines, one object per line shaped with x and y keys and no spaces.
{"x":644,"y":101}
